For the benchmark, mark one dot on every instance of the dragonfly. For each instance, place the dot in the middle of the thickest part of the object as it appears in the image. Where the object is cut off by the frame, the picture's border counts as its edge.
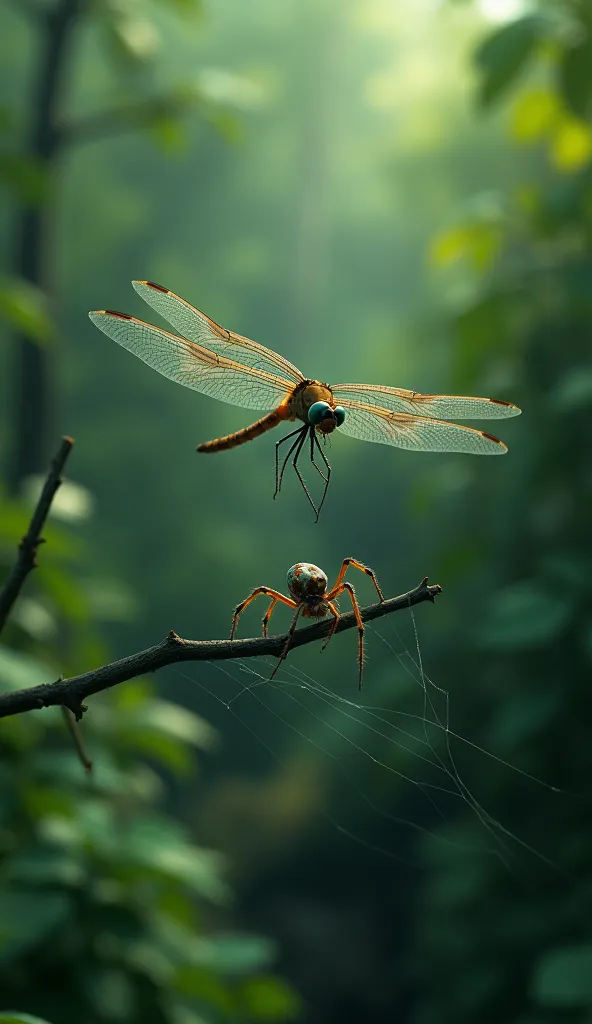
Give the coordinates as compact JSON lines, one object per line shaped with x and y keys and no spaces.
{"x":221,"y":364}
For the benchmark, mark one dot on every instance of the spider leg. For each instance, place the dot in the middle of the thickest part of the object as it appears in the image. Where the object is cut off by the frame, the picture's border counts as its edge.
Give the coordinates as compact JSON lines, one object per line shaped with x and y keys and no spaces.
{"x":279,"y":476}
{"x":363,"y":568}
{"x":269,"y":612}
{"x":358,"y":615}
{"x":274,"y":594}
{"x":314,"y":440}
{"x":301,"y":478}
{"x":335,"y":613}
{"x":291,"y":632}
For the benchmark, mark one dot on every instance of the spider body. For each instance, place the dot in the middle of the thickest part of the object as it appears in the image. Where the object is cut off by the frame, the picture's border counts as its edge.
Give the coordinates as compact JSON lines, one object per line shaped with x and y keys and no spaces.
{"x":311,"y":599}
{"x":308,"y":586}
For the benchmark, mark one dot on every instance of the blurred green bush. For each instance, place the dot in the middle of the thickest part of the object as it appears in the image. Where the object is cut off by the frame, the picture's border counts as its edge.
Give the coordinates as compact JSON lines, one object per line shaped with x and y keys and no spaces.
{"x":108,"y":910}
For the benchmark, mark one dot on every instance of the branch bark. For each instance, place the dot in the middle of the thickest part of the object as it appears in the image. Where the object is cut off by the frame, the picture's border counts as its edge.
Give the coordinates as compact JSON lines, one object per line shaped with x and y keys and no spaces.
{"x":70,"y":693}
{"x":27,"y":552}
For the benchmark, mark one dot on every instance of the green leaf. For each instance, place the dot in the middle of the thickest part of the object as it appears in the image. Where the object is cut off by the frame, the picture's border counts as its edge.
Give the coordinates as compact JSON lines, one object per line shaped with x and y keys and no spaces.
{"x":171,"y":720}
{"x":575,"y":80}
{"x":270,"y":999}
{"x":158,"y":845}
{"x":185,"y":7}
{"x":110,"y":991}
{"x":196,"y":983}
{"x":15,"y":1017}
{"x":7,"y":118}
{"x":238,"y":954}
{"x":18,"y":671}
{"x":534,"y":114}
{"x":502,"y":56}
{"x":169,"y":133}
{"x":571,"y":144}
{"x":163,"y":731}
{"x":42,"y":865}
{"x":167,"y":752}
{"x":62,"y":767}
{"x":130,"y":35}
{"x":27,"y":918}
{"x":225,"y":88}
{"x":24,"y":307}
{"x":525,"y":615}
{"x":563,"y":978}
{"x":26,"y":178}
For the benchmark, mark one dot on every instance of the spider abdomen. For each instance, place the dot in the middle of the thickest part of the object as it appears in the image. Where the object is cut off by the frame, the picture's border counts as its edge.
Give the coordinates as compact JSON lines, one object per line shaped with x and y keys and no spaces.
{"x":306,"y":580}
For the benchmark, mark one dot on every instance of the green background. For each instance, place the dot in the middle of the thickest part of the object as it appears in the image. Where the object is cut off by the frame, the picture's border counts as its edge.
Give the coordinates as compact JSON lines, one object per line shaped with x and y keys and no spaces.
{"x":395,"y":193}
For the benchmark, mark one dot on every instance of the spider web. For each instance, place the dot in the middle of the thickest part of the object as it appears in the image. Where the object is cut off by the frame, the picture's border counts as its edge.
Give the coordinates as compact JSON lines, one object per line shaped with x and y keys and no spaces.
{"x":340,"y":729}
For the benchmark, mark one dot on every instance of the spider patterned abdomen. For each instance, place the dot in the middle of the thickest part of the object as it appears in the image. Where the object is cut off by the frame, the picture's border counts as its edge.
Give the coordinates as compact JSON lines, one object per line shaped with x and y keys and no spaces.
{"x":306,"y":581}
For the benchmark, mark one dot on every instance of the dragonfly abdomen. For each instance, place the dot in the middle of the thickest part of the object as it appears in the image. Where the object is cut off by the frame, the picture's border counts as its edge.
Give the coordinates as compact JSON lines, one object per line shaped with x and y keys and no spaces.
{"x":267,"y":422}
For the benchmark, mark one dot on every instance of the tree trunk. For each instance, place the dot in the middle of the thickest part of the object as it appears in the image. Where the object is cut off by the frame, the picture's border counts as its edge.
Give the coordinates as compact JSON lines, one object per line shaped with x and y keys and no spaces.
{"x":33,"y":391}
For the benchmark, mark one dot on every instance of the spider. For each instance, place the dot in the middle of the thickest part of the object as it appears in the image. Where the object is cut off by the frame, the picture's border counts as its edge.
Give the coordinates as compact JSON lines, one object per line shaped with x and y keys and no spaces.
{"x":310,"y":597}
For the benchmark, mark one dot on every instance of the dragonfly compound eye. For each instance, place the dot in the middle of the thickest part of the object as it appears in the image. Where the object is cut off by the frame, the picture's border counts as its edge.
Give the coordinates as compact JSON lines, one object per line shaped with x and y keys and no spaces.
{"x":339,"y":414}
{"x":318,"y":412}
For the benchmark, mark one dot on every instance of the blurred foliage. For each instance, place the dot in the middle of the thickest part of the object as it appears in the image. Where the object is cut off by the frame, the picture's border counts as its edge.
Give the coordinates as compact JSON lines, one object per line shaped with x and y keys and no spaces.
{"x":109,"y":912}
{"x":132,"y":34}
{"x":524,"y":943}
{"x":309,"y":234}
{"x":103,"y":896}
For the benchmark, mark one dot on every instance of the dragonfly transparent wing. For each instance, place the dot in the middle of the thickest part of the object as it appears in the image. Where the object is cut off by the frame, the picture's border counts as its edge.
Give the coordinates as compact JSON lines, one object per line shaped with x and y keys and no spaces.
{"x":444,"y":407}
{"x":196,"y":326}
{"x":369,"y":423}
{"x":192,"y":365}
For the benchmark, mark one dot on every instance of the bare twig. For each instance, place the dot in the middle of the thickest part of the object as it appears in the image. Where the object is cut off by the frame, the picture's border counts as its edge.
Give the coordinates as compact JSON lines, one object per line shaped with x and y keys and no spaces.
{"x":25,"y":560}
{"x":74,"y":731}
{"x":71,"y":692}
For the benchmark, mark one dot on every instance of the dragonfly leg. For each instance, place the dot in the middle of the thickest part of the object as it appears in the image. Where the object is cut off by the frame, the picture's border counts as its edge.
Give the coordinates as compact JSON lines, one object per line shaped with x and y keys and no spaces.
{"x":314,"y":440}
{"x":279,"y":476}
{"x":301,"y":478}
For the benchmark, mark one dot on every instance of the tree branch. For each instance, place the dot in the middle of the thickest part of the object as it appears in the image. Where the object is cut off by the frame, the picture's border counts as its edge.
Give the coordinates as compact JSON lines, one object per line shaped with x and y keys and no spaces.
{"x":70,"y":693}
{"x":125,"y":118}
{"x":25,"y":560}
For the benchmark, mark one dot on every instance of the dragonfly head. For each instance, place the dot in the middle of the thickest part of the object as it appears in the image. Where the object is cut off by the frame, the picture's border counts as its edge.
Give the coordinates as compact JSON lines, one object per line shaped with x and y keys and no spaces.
{"x":325,"y":418}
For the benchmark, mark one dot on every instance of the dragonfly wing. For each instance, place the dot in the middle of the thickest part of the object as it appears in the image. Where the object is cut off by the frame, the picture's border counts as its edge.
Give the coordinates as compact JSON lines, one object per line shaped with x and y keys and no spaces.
{"x":370,"y":423}
{"x":193,"y":365}
{"x":196,"y":326}
{"x":444,"y":407}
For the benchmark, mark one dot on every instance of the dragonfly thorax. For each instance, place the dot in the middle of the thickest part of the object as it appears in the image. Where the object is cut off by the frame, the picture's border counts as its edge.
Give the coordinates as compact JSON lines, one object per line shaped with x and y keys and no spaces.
{"x":308,"y":393}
